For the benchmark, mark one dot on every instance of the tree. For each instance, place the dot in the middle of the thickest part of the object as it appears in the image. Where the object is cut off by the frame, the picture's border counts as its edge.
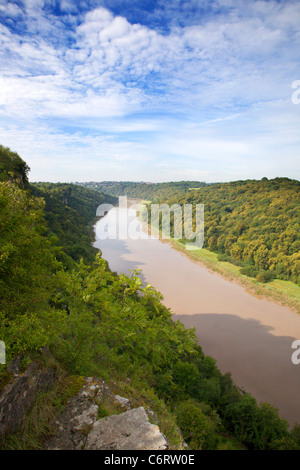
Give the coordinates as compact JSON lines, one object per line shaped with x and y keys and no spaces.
{"x":27,"y":264}
{"x":257,"y":426}
{"x":13,"y":168}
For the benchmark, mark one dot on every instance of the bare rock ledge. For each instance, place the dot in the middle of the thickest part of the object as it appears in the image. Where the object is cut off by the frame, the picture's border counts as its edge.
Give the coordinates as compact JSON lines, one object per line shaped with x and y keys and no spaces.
{"x":130,"y":430}
{"x":78,"y":428}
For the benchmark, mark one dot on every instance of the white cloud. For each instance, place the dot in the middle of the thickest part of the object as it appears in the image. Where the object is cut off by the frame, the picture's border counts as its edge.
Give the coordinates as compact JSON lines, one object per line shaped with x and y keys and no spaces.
{"x":119,"y":27}
{"x":207,"y":64}
{"x":68,"y":6}
{"x":214,"y":90}
{"x":11,"y":9}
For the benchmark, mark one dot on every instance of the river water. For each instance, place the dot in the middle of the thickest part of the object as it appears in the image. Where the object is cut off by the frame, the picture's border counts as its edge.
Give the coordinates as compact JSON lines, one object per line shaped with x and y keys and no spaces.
{"x":250,"y":337}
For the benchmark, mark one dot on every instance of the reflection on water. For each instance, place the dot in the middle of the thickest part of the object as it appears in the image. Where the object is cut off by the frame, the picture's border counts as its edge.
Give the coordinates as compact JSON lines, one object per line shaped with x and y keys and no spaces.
{"x":249,"y":337}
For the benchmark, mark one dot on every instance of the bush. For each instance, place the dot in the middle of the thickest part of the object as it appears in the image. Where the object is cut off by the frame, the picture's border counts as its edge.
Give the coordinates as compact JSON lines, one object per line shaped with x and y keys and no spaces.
{"x":187,"y":377}
{"x":229,"y":259}
{"x":198,"y":430}
{"x":224,"y":257}
{"x":249,"y":271}
{"x":258,"y":427}
{"x":264,"y":276}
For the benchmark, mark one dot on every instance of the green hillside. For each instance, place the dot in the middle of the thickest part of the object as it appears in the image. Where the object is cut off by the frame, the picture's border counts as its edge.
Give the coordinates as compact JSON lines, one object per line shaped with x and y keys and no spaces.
{"x":255,"y":224}
{"x":97,"y":323}
{"x":69,"y":212}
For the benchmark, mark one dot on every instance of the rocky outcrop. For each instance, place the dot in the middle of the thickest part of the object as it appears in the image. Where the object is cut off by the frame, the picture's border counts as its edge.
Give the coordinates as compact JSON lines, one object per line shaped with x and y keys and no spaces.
{"x":130,"y":430}
{"x":81,"y":424}
{"x":18,"y":396}
{"x":78,"y":426}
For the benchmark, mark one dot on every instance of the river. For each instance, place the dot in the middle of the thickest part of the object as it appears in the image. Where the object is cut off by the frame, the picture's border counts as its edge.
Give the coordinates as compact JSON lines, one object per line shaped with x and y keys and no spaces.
{"x":248,"y":336}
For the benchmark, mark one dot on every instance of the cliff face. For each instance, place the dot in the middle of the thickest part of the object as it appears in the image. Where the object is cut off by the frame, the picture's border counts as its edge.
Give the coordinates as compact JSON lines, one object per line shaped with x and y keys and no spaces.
{"x":18,"y":396}
{"x":80,"y":425}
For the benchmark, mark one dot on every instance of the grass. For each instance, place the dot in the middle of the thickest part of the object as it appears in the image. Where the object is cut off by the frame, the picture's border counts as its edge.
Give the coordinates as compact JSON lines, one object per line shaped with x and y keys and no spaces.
{"x":108,"y":407}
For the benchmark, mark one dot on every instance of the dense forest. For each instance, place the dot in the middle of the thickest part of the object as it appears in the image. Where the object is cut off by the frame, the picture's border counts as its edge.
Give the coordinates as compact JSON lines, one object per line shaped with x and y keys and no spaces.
{"x":154,"y":192}
{"x":98,"y":323}
{"x":253,"y":224}
{"x":69,"y":210}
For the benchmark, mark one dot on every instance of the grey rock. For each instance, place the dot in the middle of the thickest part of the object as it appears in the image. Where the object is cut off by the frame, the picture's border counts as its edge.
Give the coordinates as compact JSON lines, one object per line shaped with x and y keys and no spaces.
{"x":14,"y":366}
{"x":123,"y":402}
{"x":73,"y":424}
{"x":130,"y":430}
{"x":78,"y":426}
{"x":18,"y":396}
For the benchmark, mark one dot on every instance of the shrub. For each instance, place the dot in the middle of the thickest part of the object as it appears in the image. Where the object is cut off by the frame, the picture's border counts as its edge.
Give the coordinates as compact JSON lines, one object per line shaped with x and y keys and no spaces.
{"x":258,"y":427}
{"x":264,"y":276}
{"x":198,"y":430}
{"x":249,"y":271}
{"x":187,"y":377}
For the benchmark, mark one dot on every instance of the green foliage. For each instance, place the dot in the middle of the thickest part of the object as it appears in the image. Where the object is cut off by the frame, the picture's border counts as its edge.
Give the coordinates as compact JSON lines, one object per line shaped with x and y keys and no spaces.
{"x":250,"y":271}
{"x":13,"y":168}
{"x":254,"y":224}
{"x":264,"y":276}
{"x":260,"y":428}
{"x":187,"y":377}
{"x":98,"y":323}
{"x":69,"y":212}
{"x":27,"y":265}
{"x":111,"y":320}
{"x":199,"y":430}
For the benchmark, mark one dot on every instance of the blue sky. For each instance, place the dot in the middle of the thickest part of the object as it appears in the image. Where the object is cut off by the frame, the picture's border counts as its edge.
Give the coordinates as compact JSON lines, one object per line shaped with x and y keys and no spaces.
{"x":95,"y":90}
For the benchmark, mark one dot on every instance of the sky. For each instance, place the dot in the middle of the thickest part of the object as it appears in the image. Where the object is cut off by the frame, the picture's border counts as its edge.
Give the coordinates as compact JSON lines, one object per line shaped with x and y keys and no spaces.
{"x":151,"y":90}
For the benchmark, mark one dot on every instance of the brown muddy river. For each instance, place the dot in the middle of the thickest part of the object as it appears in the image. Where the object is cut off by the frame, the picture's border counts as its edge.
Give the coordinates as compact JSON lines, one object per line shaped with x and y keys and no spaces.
{"x":248,"y":336}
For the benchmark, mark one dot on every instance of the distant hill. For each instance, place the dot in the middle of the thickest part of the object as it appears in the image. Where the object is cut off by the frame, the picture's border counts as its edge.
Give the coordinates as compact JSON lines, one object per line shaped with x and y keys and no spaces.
{"x":144,"y":190}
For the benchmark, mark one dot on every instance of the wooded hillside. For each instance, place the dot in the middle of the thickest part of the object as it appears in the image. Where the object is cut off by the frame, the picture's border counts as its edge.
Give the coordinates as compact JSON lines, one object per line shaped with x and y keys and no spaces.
{"x":97,"y":323}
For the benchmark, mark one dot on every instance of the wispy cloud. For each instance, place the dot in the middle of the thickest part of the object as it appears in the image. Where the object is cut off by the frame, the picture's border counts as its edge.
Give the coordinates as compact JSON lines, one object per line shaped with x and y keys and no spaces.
{"x":183,"y":84}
